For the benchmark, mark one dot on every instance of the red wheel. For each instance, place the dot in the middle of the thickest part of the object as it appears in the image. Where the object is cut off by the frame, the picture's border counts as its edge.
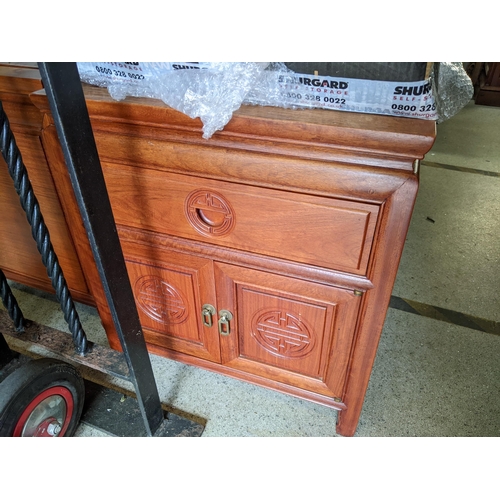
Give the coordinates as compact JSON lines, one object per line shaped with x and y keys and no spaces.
{"x":42,"y":398}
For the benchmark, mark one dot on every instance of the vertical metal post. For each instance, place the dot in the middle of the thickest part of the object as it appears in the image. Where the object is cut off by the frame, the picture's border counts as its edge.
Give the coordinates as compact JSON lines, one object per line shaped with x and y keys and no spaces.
{"x":64,"y":91}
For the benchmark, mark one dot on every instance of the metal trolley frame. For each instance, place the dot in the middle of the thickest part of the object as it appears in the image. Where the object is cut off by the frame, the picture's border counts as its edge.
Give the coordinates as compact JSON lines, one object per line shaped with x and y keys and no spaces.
{"x":64,"y":90}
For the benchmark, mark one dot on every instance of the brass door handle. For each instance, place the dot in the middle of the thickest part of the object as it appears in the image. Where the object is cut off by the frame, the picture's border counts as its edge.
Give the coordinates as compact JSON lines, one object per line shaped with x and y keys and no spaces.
{"x":225,"y":318}
{"x":207,"y":313}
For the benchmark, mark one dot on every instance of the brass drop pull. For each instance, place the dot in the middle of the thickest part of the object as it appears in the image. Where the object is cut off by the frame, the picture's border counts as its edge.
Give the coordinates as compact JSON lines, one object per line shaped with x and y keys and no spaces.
{"x":207,"y":313}
{"x":224,"y":322}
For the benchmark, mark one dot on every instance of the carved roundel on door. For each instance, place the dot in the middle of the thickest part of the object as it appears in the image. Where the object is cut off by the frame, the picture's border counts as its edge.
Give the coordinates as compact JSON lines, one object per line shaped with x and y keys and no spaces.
{"x":282,"y":333}
{"x":159,"y":300}
{"x":209,"y":213}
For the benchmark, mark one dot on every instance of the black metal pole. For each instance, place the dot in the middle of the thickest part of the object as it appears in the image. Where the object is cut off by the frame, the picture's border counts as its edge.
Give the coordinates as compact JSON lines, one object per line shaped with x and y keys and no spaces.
{"x":64,"y":91}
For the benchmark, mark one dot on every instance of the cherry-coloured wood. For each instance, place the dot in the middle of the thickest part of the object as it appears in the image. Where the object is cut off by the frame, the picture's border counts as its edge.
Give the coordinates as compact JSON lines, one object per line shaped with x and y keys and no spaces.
{"x":170,"y":291}
{"x":311,"y":133}
{"x":293,"y":221}
{"x":245,"y":259}
{"x":290,"y":330}
{"x":385,"y":262}
{"x":317,"y":231}
{"x":18,"y":80}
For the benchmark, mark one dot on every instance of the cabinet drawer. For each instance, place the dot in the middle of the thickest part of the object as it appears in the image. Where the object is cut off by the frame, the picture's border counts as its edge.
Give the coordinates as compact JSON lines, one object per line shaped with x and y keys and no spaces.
{"x":308,"y":229}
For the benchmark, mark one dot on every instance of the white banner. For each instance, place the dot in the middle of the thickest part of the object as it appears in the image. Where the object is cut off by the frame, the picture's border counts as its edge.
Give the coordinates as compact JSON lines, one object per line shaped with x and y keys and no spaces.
{"x":102,"y":73}
{"x":410,"y":99}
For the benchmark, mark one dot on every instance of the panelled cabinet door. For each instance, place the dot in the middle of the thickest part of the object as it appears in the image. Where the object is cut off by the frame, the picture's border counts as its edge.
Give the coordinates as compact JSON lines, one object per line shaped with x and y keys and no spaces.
{"x":175,"y":297}
{"x":288,"y":330}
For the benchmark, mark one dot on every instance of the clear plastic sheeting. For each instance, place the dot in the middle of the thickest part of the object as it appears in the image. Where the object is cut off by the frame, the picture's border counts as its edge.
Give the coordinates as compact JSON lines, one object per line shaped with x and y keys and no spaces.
{"x":453,"y":88}
{"x":212,"y":94}
{"x":269,"y":89}
{"x":209,"y":91}
{"x":212,"y":91}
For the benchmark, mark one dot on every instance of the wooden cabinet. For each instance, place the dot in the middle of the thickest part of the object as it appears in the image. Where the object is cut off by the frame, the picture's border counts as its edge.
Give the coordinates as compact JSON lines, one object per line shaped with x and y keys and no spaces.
{"x":266,"y":253}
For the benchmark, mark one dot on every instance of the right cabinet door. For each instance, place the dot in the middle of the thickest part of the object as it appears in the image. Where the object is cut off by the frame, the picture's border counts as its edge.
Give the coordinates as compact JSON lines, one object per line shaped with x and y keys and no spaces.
{"x":284,"y":329}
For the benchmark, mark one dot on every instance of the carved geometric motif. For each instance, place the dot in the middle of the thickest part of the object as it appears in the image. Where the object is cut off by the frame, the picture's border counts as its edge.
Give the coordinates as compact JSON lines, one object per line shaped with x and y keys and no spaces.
{"x":159,"y":300}
{"x":209,"y":213}
{"x":282,"y":333}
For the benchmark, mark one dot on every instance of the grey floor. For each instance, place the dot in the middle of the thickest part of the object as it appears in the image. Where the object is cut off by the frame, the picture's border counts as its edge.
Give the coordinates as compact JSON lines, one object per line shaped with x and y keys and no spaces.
{"x":437,"y":371}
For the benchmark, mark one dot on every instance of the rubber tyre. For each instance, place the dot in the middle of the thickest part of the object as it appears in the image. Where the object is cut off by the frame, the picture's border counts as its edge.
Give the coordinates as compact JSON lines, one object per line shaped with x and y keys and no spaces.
{"x":29,"y":382}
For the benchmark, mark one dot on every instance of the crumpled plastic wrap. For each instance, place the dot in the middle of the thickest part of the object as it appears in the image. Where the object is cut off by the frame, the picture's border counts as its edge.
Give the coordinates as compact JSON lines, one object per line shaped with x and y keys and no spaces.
{"x":212,"y":94}
{"x":267,"y":90}
{"x":453,"y":88}
{"x":209,"y":91}
{"x":213,"y":91}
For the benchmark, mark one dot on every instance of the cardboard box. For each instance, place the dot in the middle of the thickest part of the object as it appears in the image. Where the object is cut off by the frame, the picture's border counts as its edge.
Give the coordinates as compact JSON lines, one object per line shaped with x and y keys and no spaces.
{"x":383,"y":71}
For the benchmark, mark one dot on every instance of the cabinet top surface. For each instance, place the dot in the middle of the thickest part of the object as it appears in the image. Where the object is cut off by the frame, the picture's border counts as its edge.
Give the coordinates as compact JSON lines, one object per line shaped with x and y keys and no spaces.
{"x":305,"y":117}
{"x":322,"y":133}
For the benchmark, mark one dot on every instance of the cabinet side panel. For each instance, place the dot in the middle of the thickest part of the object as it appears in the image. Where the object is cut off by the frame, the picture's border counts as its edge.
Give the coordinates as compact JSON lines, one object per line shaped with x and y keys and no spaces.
{"x":387,"y":254}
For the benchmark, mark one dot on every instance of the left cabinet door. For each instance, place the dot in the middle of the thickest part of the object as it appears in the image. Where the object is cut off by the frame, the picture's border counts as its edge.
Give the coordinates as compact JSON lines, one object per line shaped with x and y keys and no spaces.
{"x":173,"y":292}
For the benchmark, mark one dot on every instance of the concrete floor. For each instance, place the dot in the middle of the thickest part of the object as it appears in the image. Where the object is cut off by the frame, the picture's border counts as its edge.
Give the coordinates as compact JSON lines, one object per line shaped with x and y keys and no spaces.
{"x":437,"y":371}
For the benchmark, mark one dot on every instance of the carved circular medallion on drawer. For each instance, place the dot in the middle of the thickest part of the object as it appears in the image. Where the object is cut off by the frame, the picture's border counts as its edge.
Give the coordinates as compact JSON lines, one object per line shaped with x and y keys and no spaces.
{"x":282,"y":333}
{"x":209,"y":213}
{"x":159,"y":300}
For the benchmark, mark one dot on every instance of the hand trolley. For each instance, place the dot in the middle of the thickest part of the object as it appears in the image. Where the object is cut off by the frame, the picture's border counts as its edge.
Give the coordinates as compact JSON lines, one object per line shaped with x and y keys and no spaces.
{"x":45,"y":397}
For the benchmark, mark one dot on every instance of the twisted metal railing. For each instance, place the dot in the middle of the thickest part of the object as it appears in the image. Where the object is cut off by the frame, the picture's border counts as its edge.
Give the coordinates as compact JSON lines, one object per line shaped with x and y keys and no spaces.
{"x":10,"y":303}
{"x":40,"y":233}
